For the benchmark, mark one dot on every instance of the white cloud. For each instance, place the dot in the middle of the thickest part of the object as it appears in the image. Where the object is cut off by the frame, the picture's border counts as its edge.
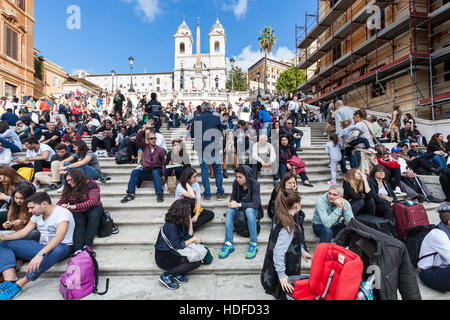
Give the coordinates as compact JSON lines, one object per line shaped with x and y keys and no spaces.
{"x":149,"y":9}
{"x":249,"y":57}
{"x":239,"y":7}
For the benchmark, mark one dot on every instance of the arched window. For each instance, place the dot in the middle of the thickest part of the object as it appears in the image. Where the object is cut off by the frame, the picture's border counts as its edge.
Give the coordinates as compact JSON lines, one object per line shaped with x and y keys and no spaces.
{"x":182,"y":48}
{"x":217,"y":46}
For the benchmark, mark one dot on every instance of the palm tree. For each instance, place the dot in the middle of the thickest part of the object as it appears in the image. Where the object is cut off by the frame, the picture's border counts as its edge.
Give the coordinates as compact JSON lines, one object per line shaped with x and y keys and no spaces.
{"x":266,"y":43}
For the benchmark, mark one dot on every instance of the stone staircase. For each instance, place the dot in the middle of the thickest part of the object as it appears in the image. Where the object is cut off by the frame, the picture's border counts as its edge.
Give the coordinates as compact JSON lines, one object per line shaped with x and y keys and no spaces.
{"x":128,"y":257}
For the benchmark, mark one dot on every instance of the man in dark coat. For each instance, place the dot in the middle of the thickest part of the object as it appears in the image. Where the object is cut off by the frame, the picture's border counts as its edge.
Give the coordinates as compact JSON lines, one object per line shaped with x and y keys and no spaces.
{"x":119,"y":99}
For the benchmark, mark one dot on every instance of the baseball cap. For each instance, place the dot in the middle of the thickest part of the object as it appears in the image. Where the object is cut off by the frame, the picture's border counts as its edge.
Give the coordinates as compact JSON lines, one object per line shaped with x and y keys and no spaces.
{"x":443,"y":207}
{"x":396,"y":149}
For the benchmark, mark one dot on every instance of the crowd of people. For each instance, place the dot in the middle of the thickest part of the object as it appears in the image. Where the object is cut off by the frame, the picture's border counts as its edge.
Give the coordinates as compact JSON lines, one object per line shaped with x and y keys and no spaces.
{"x":258,"y":139}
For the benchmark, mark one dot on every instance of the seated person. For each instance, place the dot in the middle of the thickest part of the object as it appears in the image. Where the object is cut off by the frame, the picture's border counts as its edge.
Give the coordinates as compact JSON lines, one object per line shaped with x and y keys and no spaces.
{"x":288,"y":182}
{"x":120,"y":140}
{"x":358,"y":193}
{"x":153,"y":165}
{"x":132,"y":129}
{"x":38,"y":154}
{"x":33,"y":130}
{"x":9,"y":117}
{"x":9,"y":138}
{"x":51,"y":137}
{"x":245,"y":196}
{"x":437,"y":145}
{"x":407,"y":134}
{"x":84,"y":160}
{"x":55,"y":225}
{"x":393,"y":173}
{"x":18,"y":214}
{"x":70,"y":137}
{"x":421,"y":162}
{"x":176,"y":229}
{"x":382,"y":193}
{"x":410,"y":183}
{"x":81,"y":196}
{"x":264,"y":155}
{"x":329,"y":211}
{"x":434,"y":267}
{"x":189,"y":189}
{"x":104,"y":137}
{"x":295,"y":134}
{"x":173,"y":158}
{"x":287,"y":151}
{"x":53,"y":178}
{"x":347,"y":137}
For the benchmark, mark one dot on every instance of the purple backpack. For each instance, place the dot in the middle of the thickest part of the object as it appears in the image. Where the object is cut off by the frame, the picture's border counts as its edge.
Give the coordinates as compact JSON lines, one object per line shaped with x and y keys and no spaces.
{"x":81,"y":276}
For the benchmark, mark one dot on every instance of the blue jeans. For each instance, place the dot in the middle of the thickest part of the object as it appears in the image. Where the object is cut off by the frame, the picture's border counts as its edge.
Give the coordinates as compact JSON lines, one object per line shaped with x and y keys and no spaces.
{"x":267,"y":126}
{"x":27,"y":250}
{"x":178,"y":172}
{"x":327,"y":234}
{"x":355,"y":160}
{"x":439,"y":160}
{"x":88,"y":171}
{"x":251,"y":215}
{"x":141,"y":174}
{"x":343,"y":162}
{"x":436,"y":278}
{"x":217,"y":168}
{"x":9,"y":145}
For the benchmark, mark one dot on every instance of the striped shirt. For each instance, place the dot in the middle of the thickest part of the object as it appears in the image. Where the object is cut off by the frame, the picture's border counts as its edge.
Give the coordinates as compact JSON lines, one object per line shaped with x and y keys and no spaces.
{"x":89,"y":200}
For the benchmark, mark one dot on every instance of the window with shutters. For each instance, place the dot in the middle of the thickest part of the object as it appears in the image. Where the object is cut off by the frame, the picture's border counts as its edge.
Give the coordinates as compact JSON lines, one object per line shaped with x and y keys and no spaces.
{"x":21,"y":4}
{"x":11,"y":43}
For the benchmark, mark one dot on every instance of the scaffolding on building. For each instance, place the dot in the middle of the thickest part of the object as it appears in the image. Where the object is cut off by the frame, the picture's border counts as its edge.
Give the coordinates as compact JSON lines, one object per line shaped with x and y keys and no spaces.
{"x":334,"y":25}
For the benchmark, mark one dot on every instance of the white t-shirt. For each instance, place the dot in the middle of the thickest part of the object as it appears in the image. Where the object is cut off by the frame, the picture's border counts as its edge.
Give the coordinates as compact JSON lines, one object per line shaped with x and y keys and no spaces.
{"x":180,"y":190}
{"x":48,"y":227}
{"x":42,"y":147}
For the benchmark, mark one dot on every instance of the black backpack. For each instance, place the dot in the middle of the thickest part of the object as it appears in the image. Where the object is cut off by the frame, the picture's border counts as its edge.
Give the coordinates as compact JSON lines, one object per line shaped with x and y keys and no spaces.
{"x":413,"y":241}
{"x":107,"y":226}
{"x":241,"y":226}
{"x":122,"y":157}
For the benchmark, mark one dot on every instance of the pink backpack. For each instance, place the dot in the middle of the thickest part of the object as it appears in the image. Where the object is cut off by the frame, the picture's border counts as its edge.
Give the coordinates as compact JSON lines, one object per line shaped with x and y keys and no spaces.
{"x":81,"y":276}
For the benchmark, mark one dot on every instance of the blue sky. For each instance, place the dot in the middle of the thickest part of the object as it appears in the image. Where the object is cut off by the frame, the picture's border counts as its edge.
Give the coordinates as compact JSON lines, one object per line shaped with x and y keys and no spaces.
{"x":112,"y":30}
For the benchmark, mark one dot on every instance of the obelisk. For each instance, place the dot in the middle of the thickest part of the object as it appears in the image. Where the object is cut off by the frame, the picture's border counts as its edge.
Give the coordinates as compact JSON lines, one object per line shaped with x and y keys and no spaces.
{"x":198,"y":78}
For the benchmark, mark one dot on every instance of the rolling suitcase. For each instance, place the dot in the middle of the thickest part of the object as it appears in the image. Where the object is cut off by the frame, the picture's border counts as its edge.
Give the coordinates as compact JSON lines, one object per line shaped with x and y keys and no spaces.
{"x":409,"y":217}
{"x":380,"y":224}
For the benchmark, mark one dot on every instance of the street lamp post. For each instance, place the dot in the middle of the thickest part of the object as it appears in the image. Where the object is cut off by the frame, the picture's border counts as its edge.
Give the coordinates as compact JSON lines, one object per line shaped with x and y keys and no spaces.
{"x":259,"y":77}
{"x":232,"y":61}
{"x":217,"y":82}
{"x":131,"y":60}
{"x":113,"y":74}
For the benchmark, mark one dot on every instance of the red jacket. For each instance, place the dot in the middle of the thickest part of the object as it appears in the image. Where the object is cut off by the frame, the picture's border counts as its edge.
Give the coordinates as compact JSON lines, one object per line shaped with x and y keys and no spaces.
{"x":391,"y":164}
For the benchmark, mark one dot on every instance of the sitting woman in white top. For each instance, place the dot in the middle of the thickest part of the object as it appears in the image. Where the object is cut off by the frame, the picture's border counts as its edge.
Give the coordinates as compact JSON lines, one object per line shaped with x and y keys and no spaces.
{"x":435,"y":265}
{"x":5,"y":155}
{"x":189,"y":189}
{"x":264,"y":158}
{"x":55,"y":225}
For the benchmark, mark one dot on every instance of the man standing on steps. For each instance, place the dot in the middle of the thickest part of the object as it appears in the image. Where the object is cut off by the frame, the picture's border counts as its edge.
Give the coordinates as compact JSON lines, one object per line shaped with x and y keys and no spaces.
{"x":208,"y":135}
{"x":342,"y":113}
{"x":119,"y":99}
{"x":153,"y":109}
{"x":153,"y":165}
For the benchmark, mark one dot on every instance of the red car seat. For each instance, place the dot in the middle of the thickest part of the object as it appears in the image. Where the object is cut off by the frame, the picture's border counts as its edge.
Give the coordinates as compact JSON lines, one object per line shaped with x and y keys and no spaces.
{"x":335,"y":275}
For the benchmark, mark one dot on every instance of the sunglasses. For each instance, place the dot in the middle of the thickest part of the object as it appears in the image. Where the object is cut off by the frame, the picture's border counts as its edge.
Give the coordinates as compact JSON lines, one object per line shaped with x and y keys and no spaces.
{"x":151,"y":138}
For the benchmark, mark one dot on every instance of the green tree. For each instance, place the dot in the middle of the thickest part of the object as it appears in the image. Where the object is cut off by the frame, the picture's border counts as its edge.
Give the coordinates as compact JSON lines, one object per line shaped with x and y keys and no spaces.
{"x":39,"y":67}
{"x":287,"y":81}
{"x":239,"y":78}
{"x":266,"y":41}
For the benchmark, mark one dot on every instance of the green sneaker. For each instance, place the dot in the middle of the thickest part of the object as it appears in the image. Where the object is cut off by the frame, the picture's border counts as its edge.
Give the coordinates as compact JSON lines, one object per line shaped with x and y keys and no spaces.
{"x":252,"y":250}
{"x":226,"y":250}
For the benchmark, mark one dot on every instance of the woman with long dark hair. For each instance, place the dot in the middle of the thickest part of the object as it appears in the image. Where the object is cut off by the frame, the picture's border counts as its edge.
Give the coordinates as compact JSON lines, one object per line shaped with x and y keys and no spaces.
{"x":288,"y":182}
{"x":176,"y":229}
{"x":18,"y":214}
{"x":81,"y":196}
{"x":189,"y":189}
{"x":437,"y":146}
{"x":383,"y":195}
{"x":286,"y":246}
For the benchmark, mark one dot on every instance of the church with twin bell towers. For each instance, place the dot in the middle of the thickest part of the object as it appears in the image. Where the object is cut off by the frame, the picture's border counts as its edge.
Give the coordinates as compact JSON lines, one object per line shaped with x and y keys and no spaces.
{"x":197,"y":71}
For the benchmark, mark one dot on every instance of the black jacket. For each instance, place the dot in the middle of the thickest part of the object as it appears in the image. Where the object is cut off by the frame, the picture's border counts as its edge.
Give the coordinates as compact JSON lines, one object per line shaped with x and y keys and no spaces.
{"x":254,"y":190}
{"x":293,"y":258}
{"x":208,"y":121}
{"x":352,"y":196}
{"x":375,"y":190}
{"x":386,"y":252}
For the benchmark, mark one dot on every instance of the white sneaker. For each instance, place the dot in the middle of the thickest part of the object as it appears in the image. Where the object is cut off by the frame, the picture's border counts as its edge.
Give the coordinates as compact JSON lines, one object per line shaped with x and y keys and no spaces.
{"x":397,"y":190}
{"x":60,"y":190}
{"x":372,"y":150}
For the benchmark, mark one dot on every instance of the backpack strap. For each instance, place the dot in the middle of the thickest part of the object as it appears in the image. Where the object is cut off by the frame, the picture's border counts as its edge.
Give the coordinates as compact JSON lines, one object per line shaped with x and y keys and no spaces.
{"x":96,"y":271}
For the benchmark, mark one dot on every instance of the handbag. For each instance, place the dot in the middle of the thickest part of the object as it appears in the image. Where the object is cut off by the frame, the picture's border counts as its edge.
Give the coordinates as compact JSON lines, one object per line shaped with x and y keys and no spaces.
{"x":193,"y":253}
{"x":107,"y":226}
{"x":172,"y":183}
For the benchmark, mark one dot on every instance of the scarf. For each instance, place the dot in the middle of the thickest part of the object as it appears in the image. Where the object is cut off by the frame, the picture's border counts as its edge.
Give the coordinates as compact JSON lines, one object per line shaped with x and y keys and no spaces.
{"x":444,"y":228}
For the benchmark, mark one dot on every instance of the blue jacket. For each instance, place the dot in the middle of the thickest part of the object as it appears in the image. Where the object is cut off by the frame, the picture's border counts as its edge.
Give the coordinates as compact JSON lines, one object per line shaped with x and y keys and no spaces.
{"x":208,"y":121}
{"x":264,"y":116}
{"x":10,"y":117}
{"x":175,"y":234}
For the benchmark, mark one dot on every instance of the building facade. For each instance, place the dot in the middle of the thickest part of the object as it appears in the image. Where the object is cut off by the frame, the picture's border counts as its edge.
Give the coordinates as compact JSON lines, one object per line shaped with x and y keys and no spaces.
{"x":17,"y":47}
{"x":378,"y":56}
{"x":255,"y":75}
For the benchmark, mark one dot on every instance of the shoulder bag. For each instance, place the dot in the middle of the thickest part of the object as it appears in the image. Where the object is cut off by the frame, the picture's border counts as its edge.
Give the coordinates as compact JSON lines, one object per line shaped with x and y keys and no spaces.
{"x":193,"y":253}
